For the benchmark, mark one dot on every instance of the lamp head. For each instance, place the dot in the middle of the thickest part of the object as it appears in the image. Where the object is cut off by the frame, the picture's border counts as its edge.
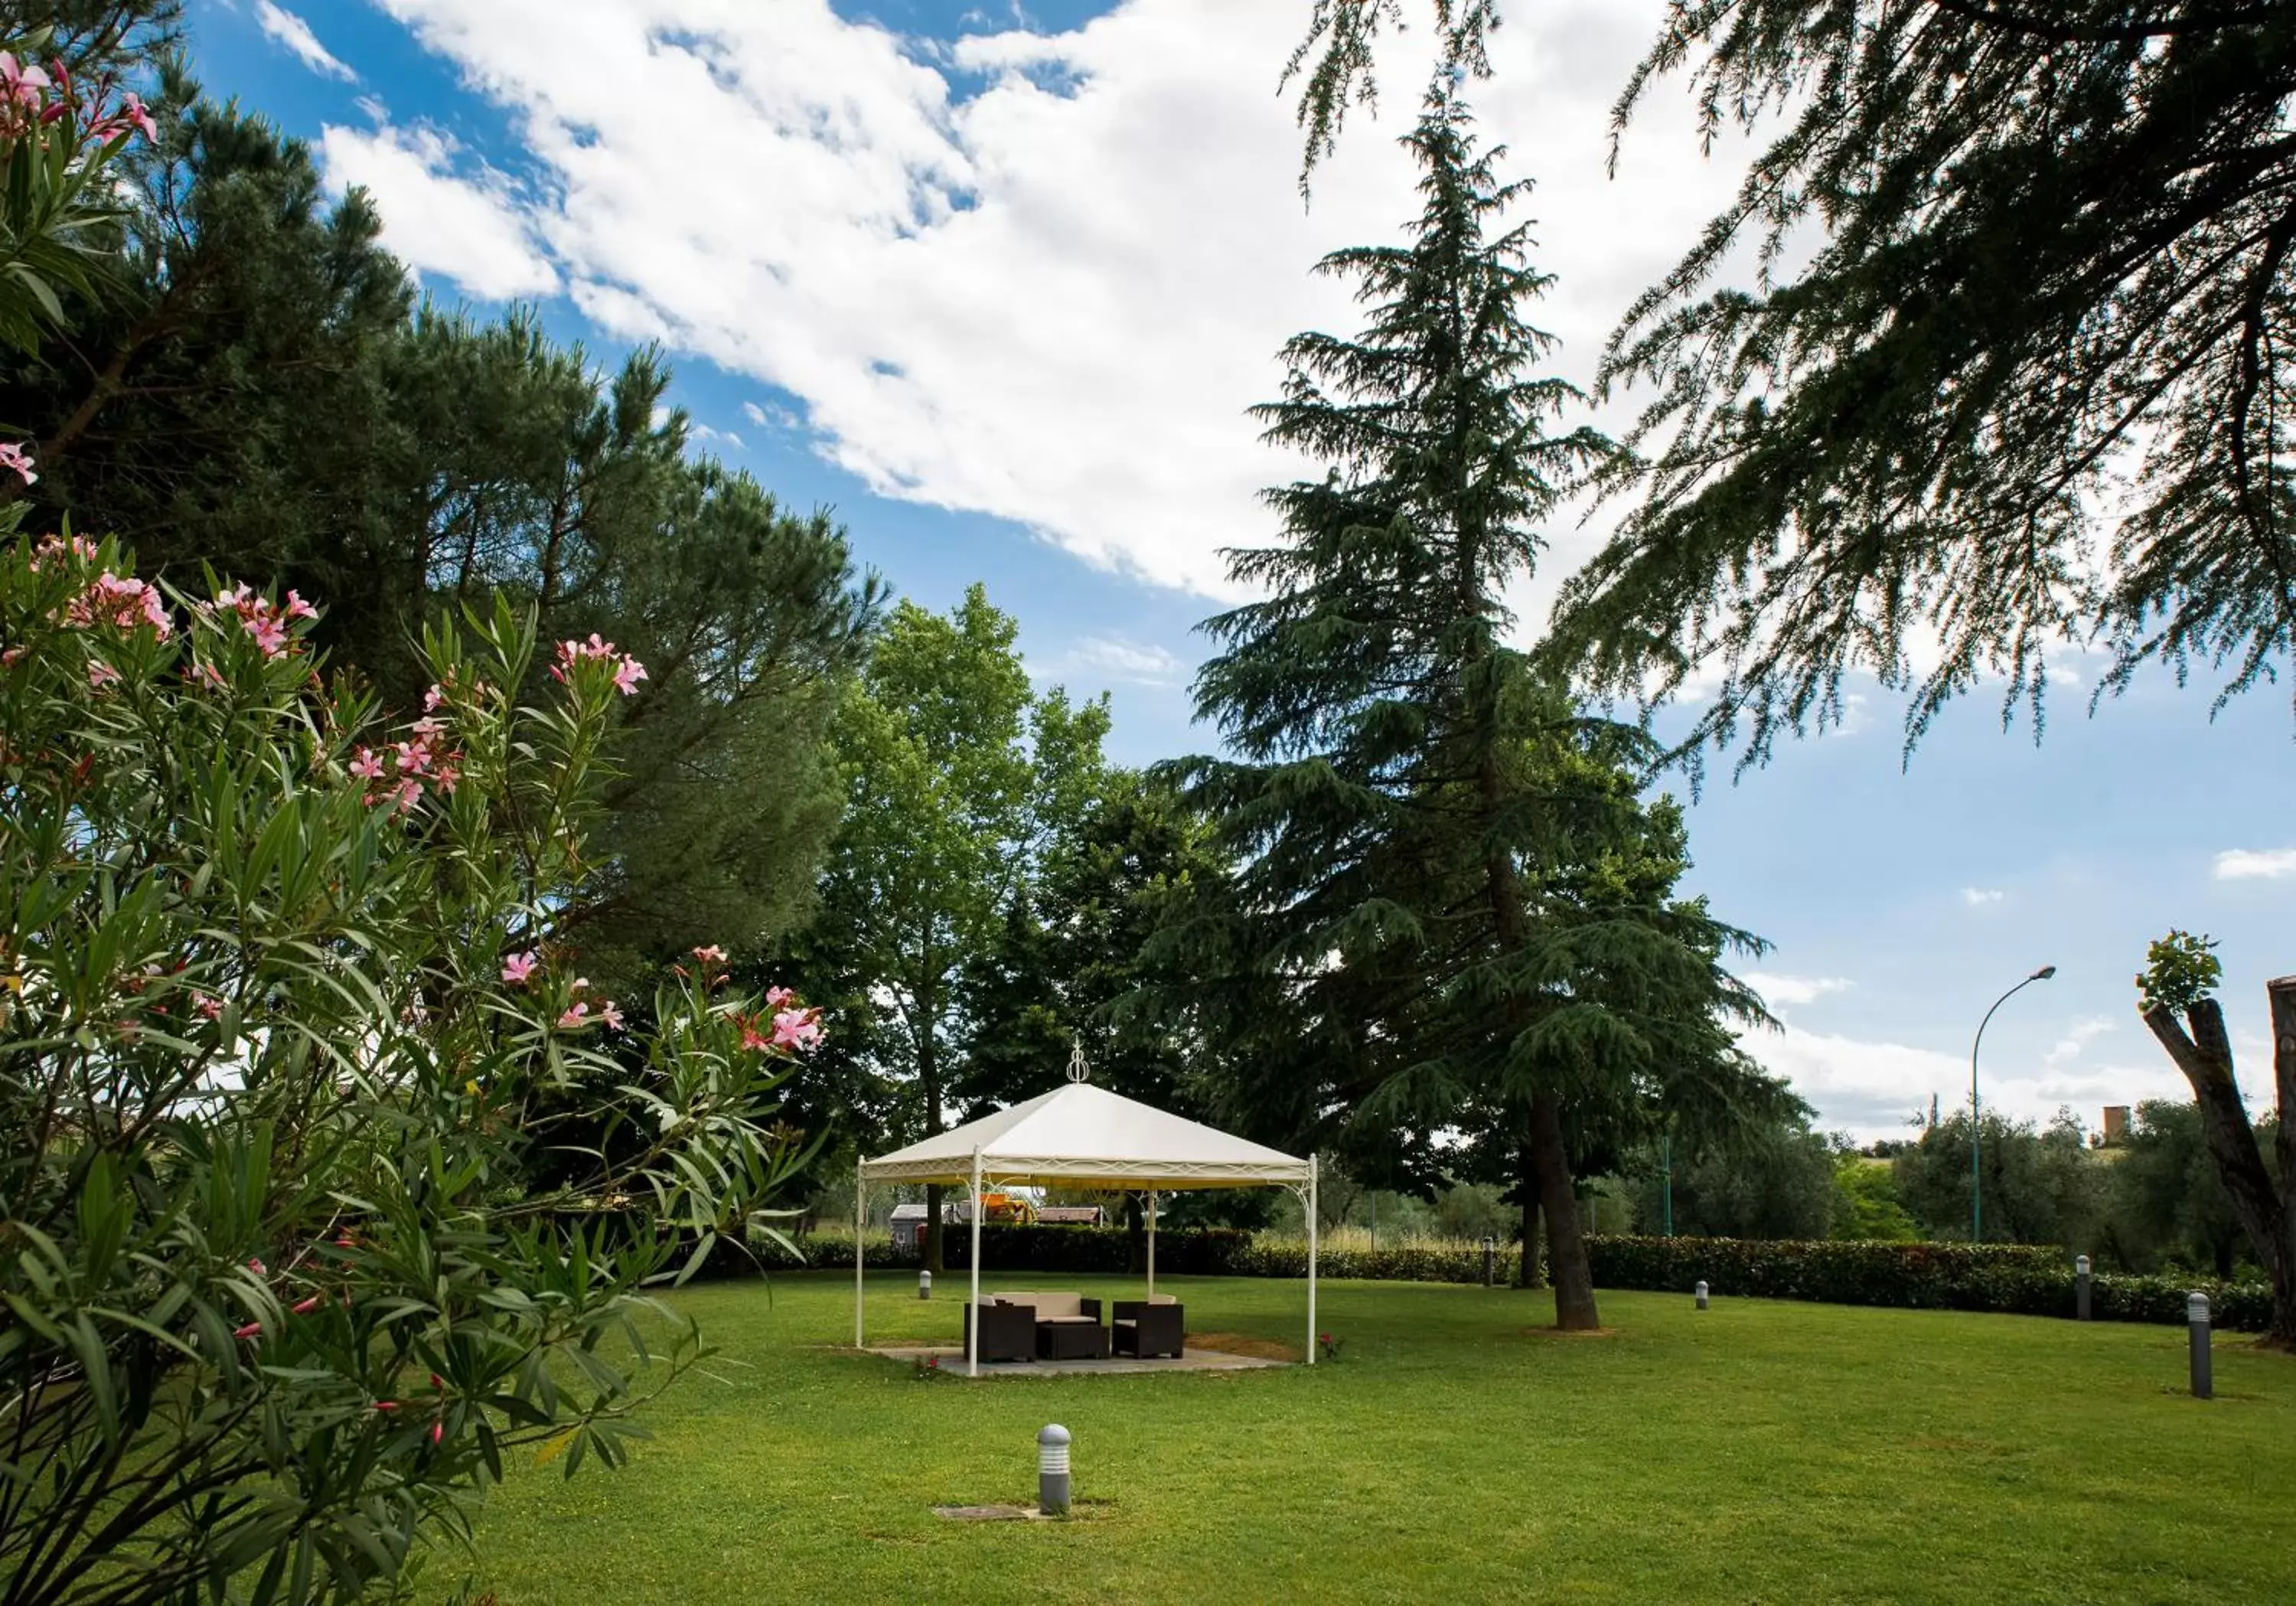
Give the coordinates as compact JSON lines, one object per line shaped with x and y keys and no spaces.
{"x":2043,"y":973}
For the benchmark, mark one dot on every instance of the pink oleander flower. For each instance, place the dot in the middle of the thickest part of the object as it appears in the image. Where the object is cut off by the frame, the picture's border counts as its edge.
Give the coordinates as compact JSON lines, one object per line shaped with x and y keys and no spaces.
{"x":210,"y":1006}
{"x":121,"y":604}
{"x":23,"y":81}
{"x":628,"y":674}
{"x":751,"y":1039}
{"x":409,"y":793}
{"x":577,"y":1016}
{"x":132,"y":108}
{"x":304,"y":1307}
{"x":100,"y":674}
{"x":445,"y":775}
{"x":611,"y":1015}
{"x":431,"y":698}
{"x":516,"y":968}
{"x":297,"y":608}
{"x":386,"y":1404}
{"x":256,"y":1266}
{"x":711,"y":955}
{"x":15,"y":457}
{"x":253,"y":1329}
{"x":367,"y":764}
{"x":797,"y":1029}
{"x":55,"y":546}
{"x":779,"y":998}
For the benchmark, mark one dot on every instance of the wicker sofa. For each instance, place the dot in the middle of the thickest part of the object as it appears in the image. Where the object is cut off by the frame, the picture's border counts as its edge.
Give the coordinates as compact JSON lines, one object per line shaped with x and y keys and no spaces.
{"x":1067,"y":1326}
{"x":1154,"y":1326}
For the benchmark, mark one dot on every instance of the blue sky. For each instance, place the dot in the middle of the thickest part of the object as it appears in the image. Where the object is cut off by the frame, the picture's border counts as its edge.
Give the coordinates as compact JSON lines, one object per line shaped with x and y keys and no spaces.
{"x":996,"y":283}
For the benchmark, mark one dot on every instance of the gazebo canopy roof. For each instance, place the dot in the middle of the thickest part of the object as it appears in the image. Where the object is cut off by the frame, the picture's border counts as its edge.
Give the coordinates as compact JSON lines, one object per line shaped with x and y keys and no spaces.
{"x":1082,"y":1136}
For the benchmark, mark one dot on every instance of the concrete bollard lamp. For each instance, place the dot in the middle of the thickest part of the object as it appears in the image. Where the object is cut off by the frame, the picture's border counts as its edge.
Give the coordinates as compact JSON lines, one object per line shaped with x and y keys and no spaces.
{"x":1052,"y":1470}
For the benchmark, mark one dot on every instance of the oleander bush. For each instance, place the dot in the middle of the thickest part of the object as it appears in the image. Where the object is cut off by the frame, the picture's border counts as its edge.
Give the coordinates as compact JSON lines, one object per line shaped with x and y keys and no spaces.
{"x":286,"y":1009}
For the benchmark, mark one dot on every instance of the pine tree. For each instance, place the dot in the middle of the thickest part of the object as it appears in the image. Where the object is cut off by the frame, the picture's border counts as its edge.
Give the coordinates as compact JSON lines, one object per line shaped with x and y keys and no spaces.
{"x":1422,"y":828}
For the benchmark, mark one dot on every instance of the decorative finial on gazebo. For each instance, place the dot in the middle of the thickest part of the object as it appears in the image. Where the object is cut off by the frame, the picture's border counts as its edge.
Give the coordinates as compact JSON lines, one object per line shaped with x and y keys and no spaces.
{"x":1077,"y":1071}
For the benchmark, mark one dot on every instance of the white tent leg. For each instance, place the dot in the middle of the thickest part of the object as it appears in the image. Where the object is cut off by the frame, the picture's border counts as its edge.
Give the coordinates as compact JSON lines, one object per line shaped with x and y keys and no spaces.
{"x":860,"y":1225}
{"x":1151,"y":1243}
{"x":1311,"y":1260}
{"x":973,"y":1355}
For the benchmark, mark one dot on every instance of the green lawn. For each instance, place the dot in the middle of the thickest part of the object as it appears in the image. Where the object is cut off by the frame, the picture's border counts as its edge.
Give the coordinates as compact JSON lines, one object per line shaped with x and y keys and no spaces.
{"x":1755,"y":1451}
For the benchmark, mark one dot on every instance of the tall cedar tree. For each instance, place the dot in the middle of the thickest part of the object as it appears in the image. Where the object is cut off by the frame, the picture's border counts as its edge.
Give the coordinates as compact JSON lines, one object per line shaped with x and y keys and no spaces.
{"x":957,"y":776}
{"x":1415,"y":818}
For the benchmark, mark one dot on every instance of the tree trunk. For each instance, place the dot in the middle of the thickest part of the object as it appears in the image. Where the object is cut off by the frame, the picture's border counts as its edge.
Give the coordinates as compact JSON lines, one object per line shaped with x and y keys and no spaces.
{"x":2205,"y":1058}
{"x":1136,"y":1236}
{"x":2282,"y":993}
{"x":1529,"y":1274}
{"x":1574,"y":1282}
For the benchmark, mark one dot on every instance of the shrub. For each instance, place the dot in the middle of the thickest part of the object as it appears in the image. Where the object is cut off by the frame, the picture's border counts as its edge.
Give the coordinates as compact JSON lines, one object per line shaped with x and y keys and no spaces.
{"x":282,"y":1010}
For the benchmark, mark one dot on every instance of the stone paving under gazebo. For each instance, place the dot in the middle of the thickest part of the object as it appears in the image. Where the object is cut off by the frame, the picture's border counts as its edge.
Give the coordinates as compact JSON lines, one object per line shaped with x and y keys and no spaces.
{"x":950,"y":1358}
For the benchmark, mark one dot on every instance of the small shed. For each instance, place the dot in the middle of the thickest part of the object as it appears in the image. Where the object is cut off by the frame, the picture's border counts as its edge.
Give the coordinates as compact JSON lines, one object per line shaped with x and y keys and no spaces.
{"x":908,"y":1228}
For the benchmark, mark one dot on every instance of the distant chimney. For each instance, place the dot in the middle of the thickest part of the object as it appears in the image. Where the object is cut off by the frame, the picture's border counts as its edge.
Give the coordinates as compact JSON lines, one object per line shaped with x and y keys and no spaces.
{"x":2116,"y":1124}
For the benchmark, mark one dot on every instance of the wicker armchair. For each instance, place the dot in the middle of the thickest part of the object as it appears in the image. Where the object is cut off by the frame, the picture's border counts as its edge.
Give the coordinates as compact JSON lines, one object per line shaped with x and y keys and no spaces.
{"x":1008,"y":1332}
{"x":1149,"y":1327}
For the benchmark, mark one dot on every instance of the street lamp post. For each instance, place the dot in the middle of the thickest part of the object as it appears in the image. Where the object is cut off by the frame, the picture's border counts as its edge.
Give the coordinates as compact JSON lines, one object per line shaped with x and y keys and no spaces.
{"x":1976,"y":1131}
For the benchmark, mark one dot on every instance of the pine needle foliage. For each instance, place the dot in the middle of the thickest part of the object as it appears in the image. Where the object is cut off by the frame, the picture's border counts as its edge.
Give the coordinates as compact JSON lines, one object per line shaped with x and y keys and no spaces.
{"x":2032,"y":388}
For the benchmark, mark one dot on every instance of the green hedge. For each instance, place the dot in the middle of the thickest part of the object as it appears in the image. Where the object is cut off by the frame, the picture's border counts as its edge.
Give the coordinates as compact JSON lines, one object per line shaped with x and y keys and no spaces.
{"x":1193,"y":1252}
{"x":2015,"y":1279}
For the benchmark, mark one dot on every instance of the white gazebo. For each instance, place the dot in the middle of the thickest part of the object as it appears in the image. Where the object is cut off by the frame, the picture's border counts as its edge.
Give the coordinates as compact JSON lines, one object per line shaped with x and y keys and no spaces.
{"x":1081,"y":1136}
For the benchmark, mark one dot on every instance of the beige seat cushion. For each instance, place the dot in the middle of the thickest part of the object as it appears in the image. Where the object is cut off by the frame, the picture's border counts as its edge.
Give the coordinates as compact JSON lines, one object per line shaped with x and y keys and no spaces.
{"x":1087,"y":1320}
{"x":1050,"y":1307}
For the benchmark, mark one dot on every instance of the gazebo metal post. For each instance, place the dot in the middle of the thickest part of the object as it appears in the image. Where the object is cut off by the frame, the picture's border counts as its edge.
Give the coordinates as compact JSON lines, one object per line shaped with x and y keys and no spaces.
{"x":860,"y":1224}
{"x":1151,"y":1244}
{"x":1311,"y":1259}
{"x":972,"y":1349}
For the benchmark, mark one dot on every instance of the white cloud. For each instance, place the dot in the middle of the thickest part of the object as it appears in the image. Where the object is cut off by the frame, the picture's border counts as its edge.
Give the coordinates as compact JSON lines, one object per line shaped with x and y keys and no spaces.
{"x":2253,"y":864}
{"x":470,"y":229}
{"x":1051,"y":300}
{"x":1872,"y":1089}
{"x":702,"y":431}
{"x":776,"y":416}
{"x":2069,"y":1048}
{"x":291,"y":31}
{"x":1778,"y":990}
{"x":1977,"y":897}
{"x":1108,"y":656}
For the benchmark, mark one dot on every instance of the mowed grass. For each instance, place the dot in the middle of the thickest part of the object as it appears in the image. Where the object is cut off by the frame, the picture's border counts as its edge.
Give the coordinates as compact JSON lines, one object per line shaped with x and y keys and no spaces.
{"x":1759,"y":1451}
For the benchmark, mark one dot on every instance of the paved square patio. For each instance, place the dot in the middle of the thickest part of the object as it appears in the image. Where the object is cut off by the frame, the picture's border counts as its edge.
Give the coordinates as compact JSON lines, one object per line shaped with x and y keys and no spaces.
{"x":950,"y":1357}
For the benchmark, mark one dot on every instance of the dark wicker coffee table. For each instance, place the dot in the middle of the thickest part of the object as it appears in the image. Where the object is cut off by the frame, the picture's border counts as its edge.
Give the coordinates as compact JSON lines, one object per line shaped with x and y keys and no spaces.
{"x":1071,"y":1339}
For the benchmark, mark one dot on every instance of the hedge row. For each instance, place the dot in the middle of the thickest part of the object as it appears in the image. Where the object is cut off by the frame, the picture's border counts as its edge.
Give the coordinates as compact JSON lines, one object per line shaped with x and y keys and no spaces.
{"x":1194,"y":1252}
{"x":2014,"y":1279}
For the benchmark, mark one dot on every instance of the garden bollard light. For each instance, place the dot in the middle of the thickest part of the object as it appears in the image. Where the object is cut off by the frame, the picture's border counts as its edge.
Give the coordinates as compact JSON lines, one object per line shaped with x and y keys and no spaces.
{"x":1052,"y":1470}
{"x":924,"y":1285}
{"x":2080,"y":1288}
{"x":1701,"y":1291}
{"x":1490,"y":1258}
{"x":2196,"y":1317}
